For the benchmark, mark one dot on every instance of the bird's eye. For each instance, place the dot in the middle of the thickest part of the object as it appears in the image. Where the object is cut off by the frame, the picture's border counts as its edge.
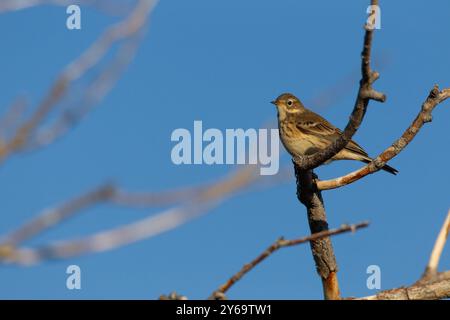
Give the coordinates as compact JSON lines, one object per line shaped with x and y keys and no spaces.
{"x":290,"y":103}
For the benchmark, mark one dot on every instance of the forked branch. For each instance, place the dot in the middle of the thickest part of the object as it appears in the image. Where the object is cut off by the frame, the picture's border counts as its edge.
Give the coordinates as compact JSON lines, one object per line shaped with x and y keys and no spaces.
{"x":435,"y":97}
{"x":365,"y":94}
{"x":322,"y":249}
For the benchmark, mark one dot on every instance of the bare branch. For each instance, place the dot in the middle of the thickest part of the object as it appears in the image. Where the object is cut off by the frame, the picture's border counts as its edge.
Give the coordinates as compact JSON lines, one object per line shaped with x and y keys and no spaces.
{"x":432,"y":268}
{"x":282,"y":243}
{"x":365,"y":94}
{"x":307,"y":193}
{"x":321,"y":249}
{"x":12,"y":117}
{"x":438,"y":288}
{"x":434,"y":99}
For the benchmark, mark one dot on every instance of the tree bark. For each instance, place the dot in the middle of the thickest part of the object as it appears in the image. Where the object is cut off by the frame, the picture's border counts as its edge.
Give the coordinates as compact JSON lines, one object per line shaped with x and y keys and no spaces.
{"x":322,"y":249}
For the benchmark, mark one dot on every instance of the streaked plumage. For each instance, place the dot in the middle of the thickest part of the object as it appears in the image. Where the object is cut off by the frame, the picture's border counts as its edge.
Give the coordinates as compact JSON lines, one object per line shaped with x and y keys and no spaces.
{"x":304,"y":132}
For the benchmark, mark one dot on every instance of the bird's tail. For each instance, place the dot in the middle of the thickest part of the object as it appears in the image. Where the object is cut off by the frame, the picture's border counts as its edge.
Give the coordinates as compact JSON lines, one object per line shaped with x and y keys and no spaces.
{"x":386,"y":167}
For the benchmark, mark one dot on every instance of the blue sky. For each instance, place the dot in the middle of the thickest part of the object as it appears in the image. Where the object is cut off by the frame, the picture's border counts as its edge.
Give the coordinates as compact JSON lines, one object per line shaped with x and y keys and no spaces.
{"x":222,"y":62}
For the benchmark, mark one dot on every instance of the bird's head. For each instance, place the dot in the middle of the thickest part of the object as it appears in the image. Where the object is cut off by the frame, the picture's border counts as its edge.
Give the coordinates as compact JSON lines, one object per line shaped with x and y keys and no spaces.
{"x":288,"y":104}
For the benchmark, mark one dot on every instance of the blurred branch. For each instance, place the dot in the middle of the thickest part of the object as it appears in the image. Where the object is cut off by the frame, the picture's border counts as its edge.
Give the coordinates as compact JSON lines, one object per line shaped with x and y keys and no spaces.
{"x":434,"y":99}
{"x":15,"y":5}
{"x":341,"y":88}
{"x":282,"y":243}
{"x":109,"y":6}
{"x":13,"y":116}
{"x":89,"y":98}
{"x":127,"y":29}
{"x":191,"y":203}
{"x":30,"y":135}
{"x":109,"y":239}
{"x":51,"y":217}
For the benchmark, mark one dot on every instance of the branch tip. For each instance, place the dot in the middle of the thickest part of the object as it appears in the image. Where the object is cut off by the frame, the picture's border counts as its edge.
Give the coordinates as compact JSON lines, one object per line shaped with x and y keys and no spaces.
{"x":434,"y":98}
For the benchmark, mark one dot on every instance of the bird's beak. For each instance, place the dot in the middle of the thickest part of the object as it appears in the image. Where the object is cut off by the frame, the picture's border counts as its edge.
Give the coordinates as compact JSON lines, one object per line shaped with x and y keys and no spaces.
{"x":273,"y":102}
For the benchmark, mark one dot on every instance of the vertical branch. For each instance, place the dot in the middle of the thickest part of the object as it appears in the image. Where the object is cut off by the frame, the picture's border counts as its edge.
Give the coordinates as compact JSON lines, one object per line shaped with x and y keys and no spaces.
{"x":366,"y":93}
{"x":322,"y":249}
{"x":307,"y":191}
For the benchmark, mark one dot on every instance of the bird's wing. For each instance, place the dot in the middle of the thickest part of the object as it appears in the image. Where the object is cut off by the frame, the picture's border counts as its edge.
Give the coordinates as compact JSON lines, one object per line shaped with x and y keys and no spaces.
{"x":356,"y":148}
{"x":313,"y":124}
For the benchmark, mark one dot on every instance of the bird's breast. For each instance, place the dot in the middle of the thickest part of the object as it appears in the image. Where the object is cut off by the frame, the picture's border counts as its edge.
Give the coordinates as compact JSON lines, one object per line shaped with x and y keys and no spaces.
{"x":296,"y":142}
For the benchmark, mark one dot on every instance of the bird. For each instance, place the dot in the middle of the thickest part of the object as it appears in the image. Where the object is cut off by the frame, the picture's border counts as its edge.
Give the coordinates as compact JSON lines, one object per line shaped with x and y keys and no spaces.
{"x":303,"y":132}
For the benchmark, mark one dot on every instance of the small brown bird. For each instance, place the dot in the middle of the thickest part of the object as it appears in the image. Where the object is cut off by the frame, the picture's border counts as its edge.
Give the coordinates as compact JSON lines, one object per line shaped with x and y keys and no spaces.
{"x":304,"y":132}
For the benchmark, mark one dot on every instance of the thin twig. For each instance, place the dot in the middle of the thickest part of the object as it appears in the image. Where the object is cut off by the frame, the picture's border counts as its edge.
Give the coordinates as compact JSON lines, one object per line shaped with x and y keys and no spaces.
{"x":282,"y":243}
{"x":434,"y":99}
{"x":432,"y":268}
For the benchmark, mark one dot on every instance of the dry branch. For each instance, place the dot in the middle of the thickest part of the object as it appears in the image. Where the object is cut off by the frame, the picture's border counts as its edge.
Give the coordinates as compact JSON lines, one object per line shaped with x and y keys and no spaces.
{"x":438,"y":288}
{"x":310,"y":196}
{"x":435,"y":97}
{"x":322,"y":249}
{"x":432,"y":267}
{"x":365,"y":94}
{"x":282,"y":243}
